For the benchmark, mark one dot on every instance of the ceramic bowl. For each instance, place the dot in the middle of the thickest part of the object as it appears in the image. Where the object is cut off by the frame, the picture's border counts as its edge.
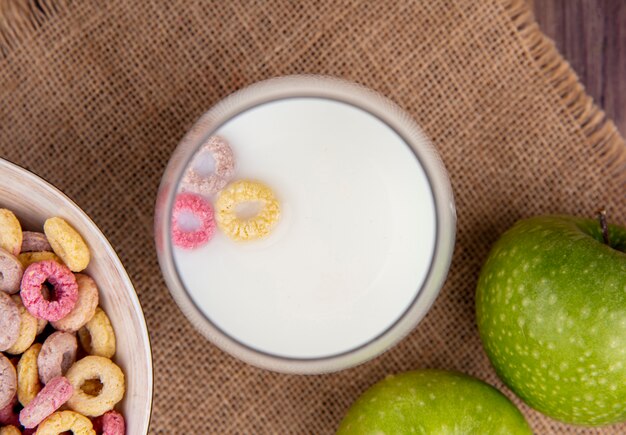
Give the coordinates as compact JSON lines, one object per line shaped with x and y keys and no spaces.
{"x":33,"y":200}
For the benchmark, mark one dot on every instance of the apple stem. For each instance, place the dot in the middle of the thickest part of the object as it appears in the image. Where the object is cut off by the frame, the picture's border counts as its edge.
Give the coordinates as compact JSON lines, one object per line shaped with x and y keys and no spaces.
{"x":603,"y":225}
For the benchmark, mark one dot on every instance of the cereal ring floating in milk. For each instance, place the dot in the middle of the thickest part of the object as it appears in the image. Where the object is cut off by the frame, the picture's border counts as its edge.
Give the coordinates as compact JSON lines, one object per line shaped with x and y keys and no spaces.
{"x":35,"y":242}
{"x":66,"y":421}
{"x":28,"y":258}
{"x":10,"y":232}
{"x":28,"y":385}
{"x":28,"y":329}
{"x":57,"y":355}
{"x":65,"y":290}
{"x":97,"y":337}
{"x":111,"y":423}
{"x":8,"y":382}
{"x":255,"y":227}
{"x":10,"y":430}
{"x":85,"y":306}
{"x":111,"y":377}
{"x":11,"y":271}
{"x":224,"y":160}
{"x":201,"y":210}
{"x":50,"y":398}
{"x":9,"y":322}
{"x":67,"y":243}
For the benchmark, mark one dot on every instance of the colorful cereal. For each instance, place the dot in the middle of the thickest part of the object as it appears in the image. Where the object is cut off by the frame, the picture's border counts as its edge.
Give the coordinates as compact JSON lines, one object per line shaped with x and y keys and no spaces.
{"x":50,"y":398}
{"x":97,"y":337}
{"x":28,"y":385}
{"x":251,"y":228}
{"x":65,"y":290}
{"x":11,"y":271}
{"x":202,"y":210}
{"x":85,"y":307}
{"x":111,"y":377}
{"x":67,"y":243}
{"x":224,"y":160}
{"x":57,"y":355}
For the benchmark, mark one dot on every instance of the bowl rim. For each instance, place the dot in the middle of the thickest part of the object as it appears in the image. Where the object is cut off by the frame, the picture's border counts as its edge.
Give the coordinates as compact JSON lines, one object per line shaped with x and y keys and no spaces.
{"x":310,"y":86}
{"x":102,"y":239}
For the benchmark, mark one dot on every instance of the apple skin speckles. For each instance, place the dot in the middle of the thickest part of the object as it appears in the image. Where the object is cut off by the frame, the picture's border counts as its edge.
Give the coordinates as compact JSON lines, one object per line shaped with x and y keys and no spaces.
{"x":567,"y":358}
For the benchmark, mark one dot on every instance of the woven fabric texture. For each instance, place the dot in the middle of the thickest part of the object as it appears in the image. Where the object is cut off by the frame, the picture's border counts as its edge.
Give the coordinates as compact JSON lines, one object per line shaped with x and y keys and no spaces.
{"x":94,"y":96}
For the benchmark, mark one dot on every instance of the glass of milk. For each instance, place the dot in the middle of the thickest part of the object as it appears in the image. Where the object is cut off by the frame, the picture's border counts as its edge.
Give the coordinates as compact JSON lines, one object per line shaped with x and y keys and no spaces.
{"x":363,"y":242}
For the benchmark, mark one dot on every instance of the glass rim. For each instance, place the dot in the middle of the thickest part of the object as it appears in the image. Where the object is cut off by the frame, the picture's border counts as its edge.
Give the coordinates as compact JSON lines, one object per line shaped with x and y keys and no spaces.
{"x":310,"y":86}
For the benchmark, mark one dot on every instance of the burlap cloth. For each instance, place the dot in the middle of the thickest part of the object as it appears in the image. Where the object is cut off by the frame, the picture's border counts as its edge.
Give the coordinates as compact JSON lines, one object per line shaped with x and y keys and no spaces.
{"x":95,"y":95}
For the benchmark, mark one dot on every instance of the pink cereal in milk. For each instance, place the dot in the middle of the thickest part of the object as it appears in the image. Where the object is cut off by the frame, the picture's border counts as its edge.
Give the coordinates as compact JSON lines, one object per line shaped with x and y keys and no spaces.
{"x":50,"y":398}
{"x":221,"y":153}
{"x":65,"y":290}
{"x":202,"y":211}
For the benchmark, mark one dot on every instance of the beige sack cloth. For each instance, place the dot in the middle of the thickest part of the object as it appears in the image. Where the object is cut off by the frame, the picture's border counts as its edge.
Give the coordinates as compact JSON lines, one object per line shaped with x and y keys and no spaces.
{"x":95,"y":95}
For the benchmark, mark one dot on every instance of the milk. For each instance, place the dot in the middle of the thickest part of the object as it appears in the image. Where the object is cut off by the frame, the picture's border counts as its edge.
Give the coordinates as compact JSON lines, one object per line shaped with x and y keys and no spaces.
{"x":353,"y":245}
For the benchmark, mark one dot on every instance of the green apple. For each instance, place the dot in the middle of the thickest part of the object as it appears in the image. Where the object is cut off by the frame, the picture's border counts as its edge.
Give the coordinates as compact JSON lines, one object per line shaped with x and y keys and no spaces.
{"x":551,"y":312}
{"x":433,"y":402}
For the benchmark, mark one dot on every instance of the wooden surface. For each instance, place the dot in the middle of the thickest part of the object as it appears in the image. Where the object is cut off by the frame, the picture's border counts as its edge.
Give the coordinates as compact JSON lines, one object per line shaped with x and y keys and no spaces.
{"x":591,"y":35}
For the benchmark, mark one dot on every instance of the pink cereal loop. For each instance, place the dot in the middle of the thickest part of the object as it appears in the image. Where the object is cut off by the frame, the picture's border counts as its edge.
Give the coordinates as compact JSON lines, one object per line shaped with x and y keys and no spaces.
{"x":203,"y":211}
{"x":65,"y":290}
{"x":224,"y":159}
{"x":50,"y":398}
{"x":110,"y":423}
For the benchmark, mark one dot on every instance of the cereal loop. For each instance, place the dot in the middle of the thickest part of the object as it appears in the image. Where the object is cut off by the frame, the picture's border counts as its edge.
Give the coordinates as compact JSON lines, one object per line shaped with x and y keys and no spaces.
{"x":111,"y":423}
{"x":97,"y":336}
{"x":8,"y":382}
{"x":11,"y":271}
{"x":222,"y":154}
{"x":201,"y":210}
{"x":10,"y":430}
{"x":67,"y":243}
{"x":28,"y":385}
{"x":8,"y":414}
{"x":28,"y":258}
{"x":255,"y":227}
{"x":57,"y":355}
{"x":85,"y":306}
{"x":50,"y":398}
{"x":10,"y":232}
{"x":65,"y":421}
{"x":9,"y":322}
{"x":111,"y":377}
{"x":34,"y":242}
{"x":28,"y":329}
{"x":65,"y":290}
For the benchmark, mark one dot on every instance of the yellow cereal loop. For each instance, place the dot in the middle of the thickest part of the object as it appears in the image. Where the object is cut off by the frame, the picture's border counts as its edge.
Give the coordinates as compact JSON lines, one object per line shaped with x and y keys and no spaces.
{"x":10,"y":430}
{"x":28,"y":328}
{"x":10,"y":232}
{"x":109,"y":374}
{"x":67,"y":243}
{"x":28,"y":258}
{"x":28,"y":385}
{"x":97,"y":337}
{"x":64,"y":421}
{"x":255,"y":227}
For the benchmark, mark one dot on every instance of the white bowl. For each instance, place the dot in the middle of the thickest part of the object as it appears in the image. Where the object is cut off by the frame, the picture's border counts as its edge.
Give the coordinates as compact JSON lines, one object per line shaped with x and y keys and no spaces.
{"x":34,"y":200}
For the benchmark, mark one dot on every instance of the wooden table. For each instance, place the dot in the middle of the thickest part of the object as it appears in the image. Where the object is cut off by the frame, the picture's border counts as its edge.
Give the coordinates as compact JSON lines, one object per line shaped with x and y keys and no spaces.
{"x":591,"y":35}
